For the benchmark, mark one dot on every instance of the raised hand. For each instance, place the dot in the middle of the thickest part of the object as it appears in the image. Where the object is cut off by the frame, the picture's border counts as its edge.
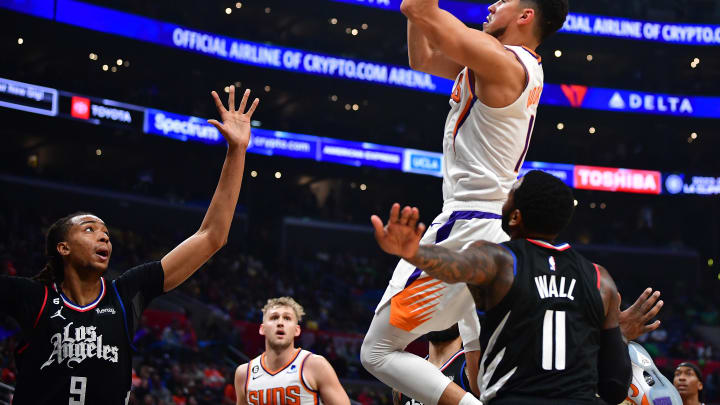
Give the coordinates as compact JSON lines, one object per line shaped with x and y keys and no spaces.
{"x":401,"y":236}
{"x":634,"y":320}
{"x":235,"y":126}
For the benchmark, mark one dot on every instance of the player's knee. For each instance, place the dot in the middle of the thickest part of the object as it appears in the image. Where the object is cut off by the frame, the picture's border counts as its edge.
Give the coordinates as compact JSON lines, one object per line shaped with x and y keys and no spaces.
{"x":370,"y":356}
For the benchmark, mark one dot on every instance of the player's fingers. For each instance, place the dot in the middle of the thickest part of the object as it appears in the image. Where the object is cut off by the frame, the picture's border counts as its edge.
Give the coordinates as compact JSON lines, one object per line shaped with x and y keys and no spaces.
{"x":394,"y":214}
{"x":216,"y":124}
{"x":653,"y":311}
{"x":405,"y":215}
{"x":220,"y":107}
{"x":420,"y":230}
{"x":253,"y":106}
{"x":650,"y":302}
{"x":231,"y":98}
{"x":378,"y":226}
{"x":414,"y":217}
{"x":243,"y":102}
{"x":651,"y":327}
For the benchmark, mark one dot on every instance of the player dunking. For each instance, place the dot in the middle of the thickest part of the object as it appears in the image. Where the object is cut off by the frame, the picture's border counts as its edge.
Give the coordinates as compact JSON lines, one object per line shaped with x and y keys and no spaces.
{"x":551,"y":333}
{"x":284,"y":374}
{"x":498,"y":82}
{"x":447,"y":354}
{"x":77,"y":327}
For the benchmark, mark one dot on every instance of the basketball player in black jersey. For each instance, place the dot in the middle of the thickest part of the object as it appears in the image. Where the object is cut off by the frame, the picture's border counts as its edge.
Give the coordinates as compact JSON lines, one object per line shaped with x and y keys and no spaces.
{"x":446,"y":353}
{"x":551,"y":331}
{"x":77,"y":328}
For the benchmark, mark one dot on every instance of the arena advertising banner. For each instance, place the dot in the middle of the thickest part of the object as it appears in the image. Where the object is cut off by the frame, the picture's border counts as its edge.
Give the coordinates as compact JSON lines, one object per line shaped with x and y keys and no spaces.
{"x":294,"y":60}
{"x":597,"y":98}
{"x":583,"y":24}
{"x":679,"y":183}
{"x":101,"y":111}
{"x":38,"y":8}
{"x":42,"y":100}
{"x":620,"y":180}
{"x":251,"y":53}
{"x":28,"y":97}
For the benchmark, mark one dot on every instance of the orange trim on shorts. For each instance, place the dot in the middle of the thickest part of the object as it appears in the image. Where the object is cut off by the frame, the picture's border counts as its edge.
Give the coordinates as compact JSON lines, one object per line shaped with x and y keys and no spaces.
{"x":262,"y":363}
{"x":415,"y":304}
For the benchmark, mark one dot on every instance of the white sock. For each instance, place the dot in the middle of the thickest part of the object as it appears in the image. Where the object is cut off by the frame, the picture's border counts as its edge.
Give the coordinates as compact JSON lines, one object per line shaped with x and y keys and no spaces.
{"x":469,"y":399}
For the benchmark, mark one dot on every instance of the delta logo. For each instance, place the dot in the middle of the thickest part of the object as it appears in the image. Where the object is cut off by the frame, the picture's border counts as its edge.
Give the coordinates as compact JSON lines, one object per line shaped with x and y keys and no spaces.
{"x":80,"y":107}
{"x":574,"y":93}
{"x":651,"y":103}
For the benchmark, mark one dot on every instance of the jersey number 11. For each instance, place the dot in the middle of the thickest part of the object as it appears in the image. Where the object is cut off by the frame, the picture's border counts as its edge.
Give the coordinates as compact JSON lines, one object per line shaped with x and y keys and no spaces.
{"x":557,"y":335}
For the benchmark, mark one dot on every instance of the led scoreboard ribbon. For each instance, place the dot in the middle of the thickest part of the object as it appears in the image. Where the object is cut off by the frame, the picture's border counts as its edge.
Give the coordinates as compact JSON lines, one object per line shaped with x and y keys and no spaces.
{"x":104,"y":112}
{"x":583,"y":24}
{"x":295,"y":60}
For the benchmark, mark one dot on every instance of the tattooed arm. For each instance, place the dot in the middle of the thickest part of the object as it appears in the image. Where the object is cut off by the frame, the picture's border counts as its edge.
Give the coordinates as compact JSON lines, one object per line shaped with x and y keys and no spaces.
{"x":477,"y":264}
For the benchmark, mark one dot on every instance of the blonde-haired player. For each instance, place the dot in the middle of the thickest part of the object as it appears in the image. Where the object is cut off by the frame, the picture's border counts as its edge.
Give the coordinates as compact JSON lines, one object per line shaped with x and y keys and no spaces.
{"x":283,"y":374}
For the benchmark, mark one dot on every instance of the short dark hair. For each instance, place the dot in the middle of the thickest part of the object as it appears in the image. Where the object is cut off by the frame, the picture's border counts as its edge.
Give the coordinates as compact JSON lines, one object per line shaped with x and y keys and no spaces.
{"x":545,"y":202}
{"x":442,"y":336}
{"x":54,"y":270}
{"x":551,"y":14}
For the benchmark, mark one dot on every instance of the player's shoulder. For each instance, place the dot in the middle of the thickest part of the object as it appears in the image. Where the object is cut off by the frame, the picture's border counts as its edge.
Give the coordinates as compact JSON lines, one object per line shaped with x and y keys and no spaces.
{"x":241,"y":371}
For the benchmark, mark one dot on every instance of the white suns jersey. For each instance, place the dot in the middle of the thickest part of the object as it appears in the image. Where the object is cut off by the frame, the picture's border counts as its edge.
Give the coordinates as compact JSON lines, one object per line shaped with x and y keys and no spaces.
{"x":286,"y":386}
{"x":484,"y":147}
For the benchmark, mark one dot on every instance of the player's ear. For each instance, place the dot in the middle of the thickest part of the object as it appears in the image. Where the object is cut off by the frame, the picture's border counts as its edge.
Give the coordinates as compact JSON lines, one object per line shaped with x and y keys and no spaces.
{"x":262,"y":330}
{"x":297,"y":330}
{"x":527,"y":16}
{"x":63,"y":248}
{"x":515,"y":218}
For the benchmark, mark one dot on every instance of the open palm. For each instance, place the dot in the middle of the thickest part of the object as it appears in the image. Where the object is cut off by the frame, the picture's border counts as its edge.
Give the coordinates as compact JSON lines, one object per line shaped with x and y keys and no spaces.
{"x":401,"y":236}
{"x":235,"y":126}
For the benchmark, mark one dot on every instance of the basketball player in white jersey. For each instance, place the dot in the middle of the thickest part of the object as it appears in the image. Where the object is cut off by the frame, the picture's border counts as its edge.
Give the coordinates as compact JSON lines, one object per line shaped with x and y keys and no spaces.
{"x":283,"y":374}
{"x":498,"y":82}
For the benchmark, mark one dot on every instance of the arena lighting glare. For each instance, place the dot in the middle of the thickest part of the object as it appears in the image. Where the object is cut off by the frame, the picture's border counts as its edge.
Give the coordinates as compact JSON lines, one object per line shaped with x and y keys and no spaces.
{"x":20,"y":41}
{"x":98,"y":152}
{"x":591,"y":130}
{"x":253,"y":173}
{"x":105,"y":67}
{"x":560,"y":126}
{"x":364,"y":26}
{"x":238,"y":5}
{"x":267,"y":10}
{"x":278,"y":175}
{"x":333,"y":21}
{"x":558,"y":53}
{"x":228,"y":10}
{"x":267,"y":89}
{"x":711,"y":262}
{"x":363,"y":187}
{"x":589,"y":58}
{"x":119,"y":62}
{"x":694,"y":135}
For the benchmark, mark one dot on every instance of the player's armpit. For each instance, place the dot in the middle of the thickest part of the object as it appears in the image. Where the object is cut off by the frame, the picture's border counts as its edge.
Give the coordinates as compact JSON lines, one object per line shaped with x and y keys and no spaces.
{"x":478,"y":264}
{"x":240,"y":381}
{"x":482,"y":53}
{"x":320,"y":375}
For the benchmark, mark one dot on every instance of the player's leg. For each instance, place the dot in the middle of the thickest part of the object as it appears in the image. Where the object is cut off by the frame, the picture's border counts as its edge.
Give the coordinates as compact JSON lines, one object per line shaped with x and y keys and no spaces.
{"x":382,"y":354}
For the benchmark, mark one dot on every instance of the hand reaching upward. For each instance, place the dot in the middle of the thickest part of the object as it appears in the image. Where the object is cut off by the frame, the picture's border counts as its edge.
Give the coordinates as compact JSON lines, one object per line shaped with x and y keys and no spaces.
{"x":401,"y":236}
{"x":235,"y":127}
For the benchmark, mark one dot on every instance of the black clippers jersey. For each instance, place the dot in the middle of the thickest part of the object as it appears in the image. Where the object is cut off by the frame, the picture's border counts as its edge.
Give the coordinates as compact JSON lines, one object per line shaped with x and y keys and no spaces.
{"x":454,"y":369}
{"x":83,"y":355}
{"x":542,"y":340}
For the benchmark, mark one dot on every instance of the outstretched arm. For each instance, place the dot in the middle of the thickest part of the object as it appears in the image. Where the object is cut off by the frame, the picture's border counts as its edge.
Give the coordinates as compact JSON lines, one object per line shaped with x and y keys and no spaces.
{"x":482,"y":53}
{"x":477,"y":264}
{"x":192,"y":253}
{"x":423,"y":57}
{"x":635,"y":320}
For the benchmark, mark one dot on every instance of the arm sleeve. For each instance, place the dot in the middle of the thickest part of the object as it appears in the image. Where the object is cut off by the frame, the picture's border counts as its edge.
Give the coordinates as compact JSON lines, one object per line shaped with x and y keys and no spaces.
{"x":136,"y":288}
{"x":614,"y":367}
{"x":21,"y":298}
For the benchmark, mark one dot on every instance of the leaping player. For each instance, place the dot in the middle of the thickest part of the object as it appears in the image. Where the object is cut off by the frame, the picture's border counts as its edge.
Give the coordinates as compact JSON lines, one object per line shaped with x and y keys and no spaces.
{"x":493,"y":105}
{"x":284,"y":374}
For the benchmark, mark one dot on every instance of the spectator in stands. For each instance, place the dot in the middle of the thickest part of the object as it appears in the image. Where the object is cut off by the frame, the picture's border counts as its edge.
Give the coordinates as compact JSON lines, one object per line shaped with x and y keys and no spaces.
{"x":689,"y":383}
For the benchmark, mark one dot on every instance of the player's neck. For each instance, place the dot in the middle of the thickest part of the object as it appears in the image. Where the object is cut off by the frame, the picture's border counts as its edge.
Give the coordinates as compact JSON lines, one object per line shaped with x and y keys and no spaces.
{"x":518,"y":39}
{"x":279,"y":357}
{"x":81,"y":288}
{"x":693,"y":400}
{"x":440,"y":353}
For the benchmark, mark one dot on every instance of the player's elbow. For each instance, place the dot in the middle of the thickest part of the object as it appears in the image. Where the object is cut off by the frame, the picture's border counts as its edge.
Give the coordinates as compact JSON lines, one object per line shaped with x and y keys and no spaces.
{"x":409,"y":8}
{"x":215,"y":241}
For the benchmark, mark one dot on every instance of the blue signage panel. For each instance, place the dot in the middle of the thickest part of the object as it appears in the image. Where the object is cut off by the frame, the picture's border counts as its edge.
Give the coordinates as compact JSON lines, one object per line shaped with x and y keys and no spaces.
{"x":360,"y":154}
{"x":679,"y":183}
{"x":28,"y":97}
{"x":564,"y":172}
{"x":270,"y":143}
{"x":251,"y":53}
{"x":422,"y":162}
{"x":584,"y":24}
{"x":38,"y":8}
{"x":597,"y":98}
{"x":180,"y":127}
